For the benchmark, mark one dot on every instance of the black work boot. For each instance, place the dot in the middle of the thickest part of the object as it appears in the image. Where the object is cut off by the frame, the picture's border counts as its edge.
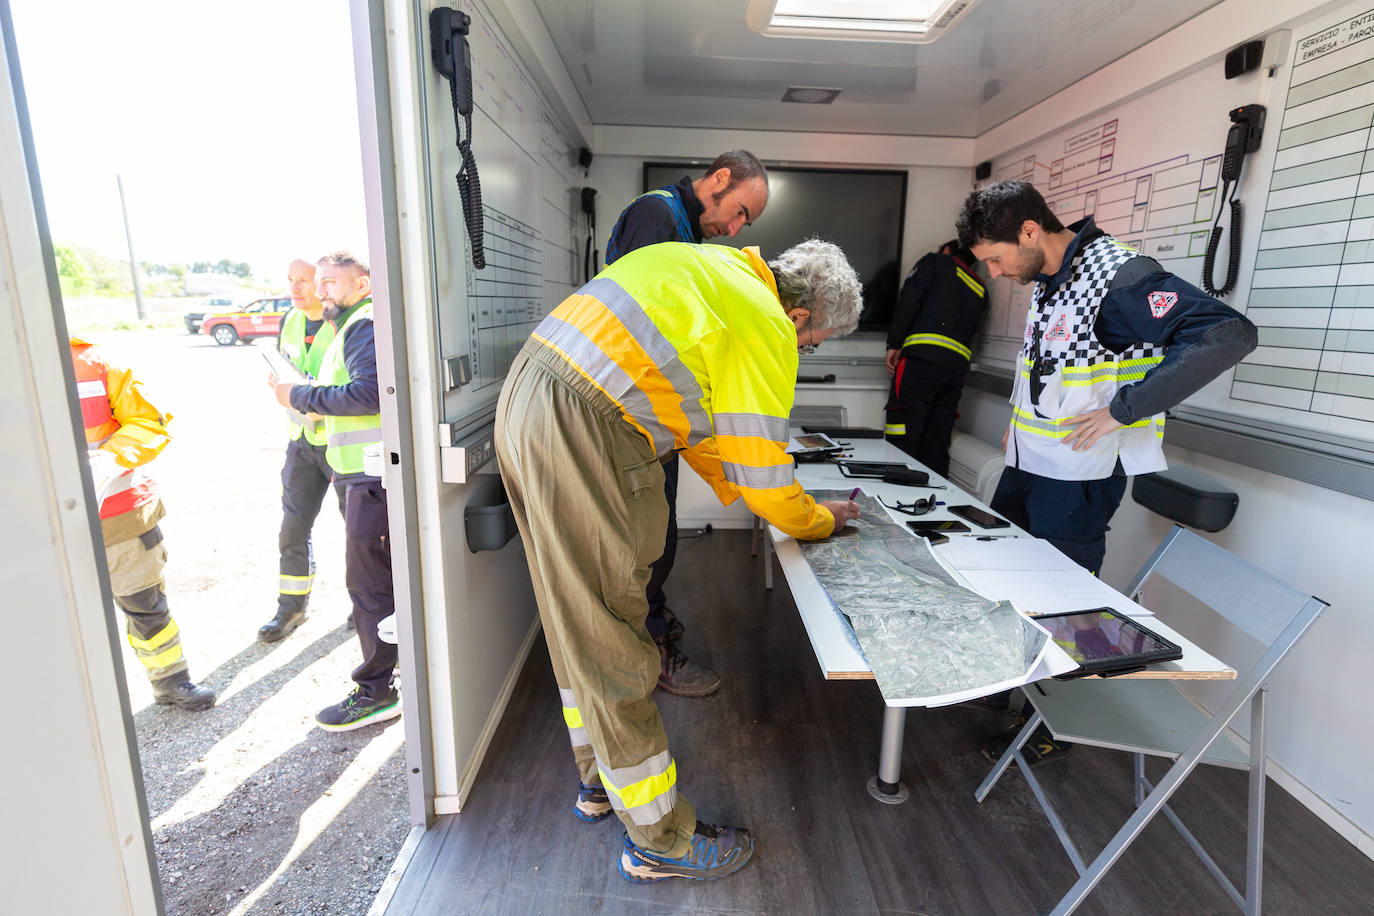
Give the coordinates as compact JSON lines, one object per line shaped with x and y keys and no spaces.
{"x":183,"y":694}
{"x":680,"y":675}
{"x":675,"y":627}
{"x":281,"y":626}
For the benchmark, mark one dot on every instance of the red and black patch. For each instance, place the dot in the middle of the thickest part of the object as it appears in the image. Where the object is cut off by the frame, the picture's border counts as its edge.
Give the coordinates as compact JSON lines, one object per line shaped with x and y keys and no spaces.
{"x":1160,"y":302}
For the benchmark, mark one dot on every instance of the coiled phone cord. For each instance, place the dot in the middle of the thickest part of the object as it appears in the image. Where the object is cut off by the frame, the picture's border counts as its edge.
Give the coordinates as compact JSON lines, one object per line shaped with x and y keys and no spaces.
{"x":469,"y":185}
{"x":1233,"y":263}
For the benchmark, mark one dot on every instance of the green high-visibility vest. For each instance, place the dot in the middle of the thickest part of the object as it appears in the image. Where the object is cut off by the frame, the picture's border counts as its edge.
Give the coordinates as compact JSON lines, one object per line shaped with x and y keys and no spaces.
{"x":306,"y":357}
{"x":346,"y":437}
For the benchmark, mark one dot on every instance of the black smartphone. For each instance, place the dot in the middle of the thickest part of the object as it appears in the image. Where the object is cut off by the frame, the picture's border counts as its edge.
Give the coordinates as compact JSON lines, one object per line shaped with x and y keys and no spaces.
{"x":934,"y":537}
{"x":979,"y":517}
{"x":921,"y":526}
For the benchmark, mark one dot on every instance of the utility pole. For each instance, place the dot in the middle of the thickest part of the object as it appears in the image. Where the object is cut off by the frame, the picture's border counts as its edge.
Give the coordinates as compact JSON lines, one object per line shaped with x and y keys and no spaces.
{"x":133,"y":261}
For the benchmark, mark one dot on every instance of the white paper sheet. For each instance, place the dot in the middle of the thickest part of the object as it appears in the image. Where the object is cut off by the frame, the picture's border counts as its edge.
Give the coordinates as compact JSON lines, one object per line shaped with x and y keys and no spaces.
{"x":1030,"y":554}
{"x":1033,"y":593}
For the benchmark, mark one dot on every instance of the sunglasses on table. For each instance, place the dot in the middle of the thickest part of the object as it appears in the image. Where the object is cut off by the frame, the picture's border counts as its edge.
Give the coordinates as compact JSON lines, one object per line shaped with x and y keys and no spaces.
{"x":915,"y":507}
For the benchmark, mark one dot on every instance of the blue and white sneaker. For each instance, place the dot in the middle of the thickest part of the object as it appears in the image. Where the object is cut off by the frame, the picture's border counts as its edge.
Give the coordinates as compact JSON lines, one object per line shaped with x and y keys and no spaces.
{"x":593,"y":804}
{"x":715,"y":853}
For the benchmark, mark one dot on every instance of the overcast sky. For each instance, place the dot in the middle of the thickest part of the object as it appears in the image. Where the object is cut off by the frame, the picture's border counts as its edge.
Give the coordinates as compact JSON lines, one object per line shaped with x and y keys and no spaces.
{"x":234,"y":126}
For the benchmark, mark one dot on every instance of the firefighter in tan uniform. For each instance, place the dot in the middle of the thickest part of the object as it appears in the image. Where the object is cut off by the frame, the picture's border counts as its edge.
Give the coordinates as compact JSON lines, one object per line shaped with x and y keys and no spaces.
{"x":124,"y":431}
{"x":675,"y":348}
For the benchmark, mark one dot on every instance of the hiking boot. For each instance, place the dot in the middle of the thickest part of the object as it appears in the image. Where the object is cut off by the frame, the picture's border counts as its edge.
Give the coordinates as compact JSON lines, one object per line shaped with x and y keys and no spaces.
{"x":680,"y":675}
{"x":184,"y":695}
{"x":356,"y":711}
{"x":1039,"y":748}
{"x":675,"y":627}
{"x":715,"y":853}
{"x":593,"y":804}
{"x":281,"y":626}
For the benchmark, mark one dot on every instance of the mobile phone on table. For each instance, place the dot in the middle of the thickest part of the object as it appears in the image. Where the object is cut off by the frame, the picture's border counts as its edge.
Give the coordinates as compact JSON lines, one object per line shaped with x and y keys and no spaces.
{"x":979,"y":517}
{"x":946,"y":525}
{"x":934,"y":537}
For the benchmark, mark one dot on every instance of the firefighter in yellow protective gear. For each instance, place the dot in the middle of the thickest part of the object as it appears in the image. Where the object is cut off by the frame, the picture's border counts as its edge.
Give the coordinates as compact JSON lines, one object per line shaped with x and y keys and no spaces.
{"x":124,"y":431}
{"x":676,"y":348}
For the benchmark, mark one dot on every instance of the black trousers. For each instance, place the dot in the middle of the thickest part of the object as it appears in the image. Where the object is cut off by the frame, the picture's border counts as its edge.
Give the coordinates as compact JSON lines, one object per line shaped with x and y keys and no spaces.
{"x":368,"y":556}
{"x":656,"y":623}
{"x":924,"y":400}
{"x":305,"y":479}
{"x":1073,"y":515}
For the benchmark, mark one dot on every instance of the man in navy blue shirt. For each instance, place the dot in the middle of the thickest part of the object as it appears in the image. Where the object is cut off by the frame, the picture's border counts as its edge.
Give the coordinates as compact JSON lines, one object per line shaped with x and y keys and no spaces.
{"x":729,"y":196}
{"x":346,"y":394}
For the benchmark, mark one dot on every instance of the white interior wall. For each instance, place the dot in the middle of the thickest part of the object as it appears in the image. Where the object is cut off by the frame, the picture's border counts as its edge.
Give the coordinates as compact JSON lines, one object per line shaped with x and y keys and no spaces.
{"x":1317,"y":737}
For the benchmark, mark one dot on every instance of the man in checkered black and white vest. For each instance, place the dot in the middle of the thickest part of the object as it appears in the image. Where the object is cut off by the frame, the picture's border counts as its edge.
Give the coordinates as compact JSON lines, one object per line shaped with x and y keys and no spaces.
{"x":1112,"y":341}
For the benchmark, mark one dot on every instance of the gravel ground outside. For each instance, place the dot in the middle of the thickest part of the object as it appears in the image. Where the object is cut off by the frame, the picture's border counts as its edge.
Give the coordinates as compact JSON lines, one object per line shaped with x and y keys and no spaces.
{"x":254,"y":810}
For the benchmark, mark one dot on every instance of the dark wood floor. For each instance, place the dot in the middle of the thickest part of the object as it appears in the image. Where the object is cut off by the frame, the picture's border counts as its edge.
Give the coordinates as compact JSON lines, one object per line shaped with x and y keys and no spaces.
{"x":787,"y":754}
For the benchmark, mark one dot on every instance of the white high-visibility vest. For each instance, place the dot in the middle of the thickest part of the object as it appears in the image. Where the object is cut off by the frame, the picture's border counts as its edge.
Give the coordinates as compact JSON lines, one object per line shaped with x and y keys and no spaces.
{"x":1079,"y":375}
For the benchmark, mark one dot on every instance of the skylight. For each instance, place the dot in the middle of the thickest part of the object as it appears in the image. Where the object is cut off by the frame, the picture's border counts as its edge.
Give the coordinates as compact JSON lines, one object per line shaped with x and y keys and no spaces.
{"x":916,"y":21}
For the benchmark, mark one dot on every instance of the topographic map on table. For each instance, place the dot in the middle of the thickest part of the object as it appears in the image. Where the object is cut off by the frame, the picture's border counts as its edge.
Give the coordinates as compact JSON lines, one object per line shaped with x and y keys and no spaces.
{"x":928,"y":640}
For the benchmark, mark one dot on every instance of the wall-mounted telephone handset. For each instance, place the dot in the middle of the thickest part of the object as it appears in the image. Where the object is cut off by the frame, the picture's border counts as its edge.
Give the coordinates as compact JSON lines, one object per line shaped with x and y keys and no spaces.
{"x":448,"y":48}
{"x":1247,"y":128}
{"x":589,"y":268}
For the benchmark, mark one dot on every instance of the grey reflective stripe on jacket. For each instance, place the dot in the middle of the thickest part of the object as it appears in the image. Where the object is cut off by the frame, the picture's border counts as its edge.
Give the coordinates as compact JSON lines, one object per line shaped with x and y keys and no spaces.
{"x":752,"y":424}
{"x":664,"y":354}
{"x":357,"y":436}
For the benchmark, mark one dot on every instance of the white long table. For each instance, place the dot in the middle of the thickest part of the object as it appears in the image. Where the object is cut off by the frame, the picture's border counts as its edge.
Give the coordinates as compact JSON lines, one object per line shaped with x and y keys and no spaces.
{"x":833,"y":640}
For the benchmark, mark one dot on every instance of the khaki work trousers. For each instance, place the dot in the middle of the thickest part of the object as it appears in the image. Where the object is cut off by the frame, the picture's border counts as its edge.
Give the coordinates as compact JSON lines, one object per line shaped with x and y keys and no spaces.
{"x":587,"y":493}
{"x":135,"y":565}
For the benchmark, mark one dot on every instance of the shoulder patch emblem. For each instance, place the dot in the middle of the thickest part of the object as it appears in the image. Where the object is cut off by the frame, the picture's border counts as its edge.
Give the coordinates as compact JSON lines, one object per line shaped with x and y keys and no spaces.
{"x":1060,"y":331}
{"x":1161,"y":302}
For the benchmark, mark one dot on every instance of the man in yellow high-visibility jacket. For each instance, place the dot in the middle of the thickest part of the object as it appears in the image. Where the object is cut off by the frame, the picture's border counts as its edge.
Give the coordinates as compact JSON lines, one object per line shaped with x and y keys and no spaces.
{"x":676,"y":348}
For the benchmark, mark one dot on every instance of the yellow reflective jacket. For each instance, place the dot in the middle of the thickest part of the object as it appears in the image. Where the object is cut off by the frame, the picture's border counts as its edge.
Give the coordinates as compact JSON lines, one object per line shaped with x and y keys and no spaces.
{"x":132,"y":428}
{"x":120,"y":420}
{"x":691,"y":342}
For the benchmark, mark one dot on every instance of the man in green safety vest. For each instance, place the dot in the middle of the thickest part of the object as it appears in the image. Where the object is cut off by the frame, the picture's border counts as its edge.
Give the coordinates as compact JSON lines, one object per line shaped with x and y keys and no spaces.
{"x":345,"y":395}
{"x":305,"y":475}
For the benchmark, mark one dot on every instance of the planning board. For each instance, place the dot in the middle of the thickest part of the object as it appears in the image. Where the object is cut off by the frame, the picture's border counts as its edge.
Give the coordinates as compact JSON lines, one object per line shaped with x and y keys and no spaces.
{"x":1148,"y":169}
{"x":1313,"y":290}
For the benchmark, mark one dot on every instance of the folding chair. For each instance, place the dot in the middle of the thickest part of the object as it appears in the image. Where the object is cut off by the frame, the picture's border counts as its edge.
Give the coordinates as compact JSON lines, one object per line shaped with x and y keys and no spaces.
{"x":1155,"y":717}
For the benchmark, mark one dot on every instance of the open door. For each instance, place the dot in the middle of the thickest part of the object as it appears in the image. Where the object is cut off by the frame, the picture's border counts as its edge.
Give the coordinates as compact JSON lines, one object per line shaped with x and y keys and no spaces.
{"x":78,"y":838}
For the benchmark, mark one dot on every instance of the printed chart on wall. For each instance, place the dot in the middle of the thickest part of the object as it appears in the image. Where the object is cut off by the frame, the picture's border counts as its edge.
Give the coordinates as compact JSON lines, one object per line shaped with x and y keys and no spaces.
{"x":1313,"y":290}
{"x":1148,"y":171}
{"x":486,"y":314}
{"x":1161,"y":204}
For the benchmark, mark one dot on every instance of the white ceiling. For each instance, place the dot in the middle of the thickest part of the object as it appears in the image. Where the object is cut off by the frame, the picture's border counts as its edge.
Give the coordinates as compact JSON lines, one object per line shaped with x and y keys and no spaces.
{"x":695,"y":63}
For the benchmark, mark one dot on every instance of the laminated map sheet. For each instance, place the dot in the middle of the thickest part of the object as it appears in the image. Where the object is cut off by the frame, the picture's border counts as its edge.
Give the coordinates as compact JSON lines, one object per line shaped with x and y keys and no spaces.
{"x":929,"y":640}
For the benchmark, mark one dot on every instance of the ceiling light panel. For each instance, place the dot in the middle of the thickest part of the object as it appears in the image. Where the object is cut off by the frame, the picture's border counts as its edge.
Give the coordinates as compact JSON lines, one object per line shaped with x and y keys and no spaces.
{"x":913,"y":21}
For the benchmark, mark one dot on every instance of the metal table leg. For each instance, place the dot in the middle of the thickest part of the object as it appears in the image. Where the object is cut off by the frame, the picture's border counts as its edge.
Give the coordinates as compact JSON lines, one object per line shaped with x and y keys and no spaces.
{"x":767,"y":560}
{"x":887,"y":786}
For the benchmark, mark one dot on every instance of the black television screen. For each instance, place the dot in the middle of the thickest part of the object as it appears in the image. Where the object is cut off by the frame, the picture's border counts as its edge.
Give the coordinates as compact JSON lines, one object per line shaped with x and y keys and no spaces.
{"x":859,"y":210}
